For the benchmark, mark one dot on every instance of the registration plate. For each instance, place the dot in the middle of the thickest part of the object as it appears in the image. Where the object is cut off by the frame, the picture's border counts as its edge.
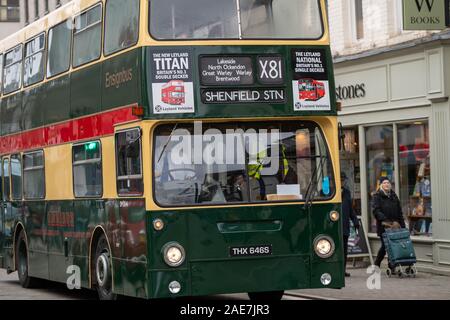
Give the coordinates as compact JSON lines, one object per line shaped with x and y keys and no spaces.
{"x":262,"y":250}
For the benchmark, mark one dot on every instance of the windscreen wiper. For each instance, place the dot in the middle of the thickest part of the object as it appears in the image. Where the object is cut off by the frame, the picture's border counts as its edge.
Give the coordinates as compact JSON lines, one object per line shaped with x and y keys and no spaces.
{"x":167,"y":142}
{"x":313,"y":182}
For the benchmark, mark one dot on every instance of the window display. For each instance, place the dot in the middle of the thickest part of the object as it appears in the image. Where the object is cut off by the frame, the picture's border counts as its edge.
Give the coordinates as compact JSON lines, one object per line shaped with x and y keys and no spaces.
{"x":380,"y":161}
{"x":415,"y":180}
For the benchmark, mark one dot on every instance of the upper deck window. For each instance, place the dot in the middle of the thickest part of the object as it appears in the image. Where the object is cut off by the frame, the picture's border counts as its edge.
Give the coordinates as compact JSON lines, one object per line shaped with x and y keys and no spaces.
{"x":59,"y":48}
{"x":33,"y":71}
{"x":122,"y":24}
{"x":87,"y":36}
{"x":12,"y":77}
{"x":235,"y":19}
{"x":1,"y":73}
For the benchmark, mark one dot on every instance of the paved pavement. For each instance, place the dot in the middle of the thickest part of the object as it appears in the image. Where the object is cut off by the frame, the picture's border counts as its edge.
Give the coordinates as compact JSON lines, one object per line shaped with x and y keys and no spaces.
{"x":10,"y":289}
{"x":424,"y":287}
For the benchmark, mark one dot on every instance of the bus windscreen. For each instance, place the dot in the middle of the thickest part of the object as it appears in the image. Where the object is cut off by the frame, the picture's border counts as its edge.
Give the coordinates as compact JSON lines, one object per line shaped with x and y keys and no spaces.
{"x":235,"y":19}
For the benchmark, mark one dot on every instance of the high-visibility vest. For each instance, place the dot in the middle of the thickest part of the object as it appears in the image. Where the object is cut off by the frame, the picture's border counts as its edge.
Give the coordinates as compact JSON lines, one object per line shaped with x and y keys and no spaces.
{"x":254,"y":170}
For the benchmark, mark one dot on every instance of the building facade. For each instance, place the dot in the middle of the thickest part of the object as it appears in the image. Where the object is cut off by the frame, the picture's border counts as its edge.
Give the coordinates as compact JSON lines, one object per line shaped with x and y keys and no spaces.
{"x":16,"y":14}
{"x":394,"y":87}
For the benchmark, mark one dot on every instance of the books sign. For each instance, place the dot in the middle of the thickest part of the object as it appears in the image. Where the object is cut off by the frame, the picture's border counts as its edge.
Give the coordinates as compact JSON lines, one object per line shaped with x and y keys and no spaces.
{"x":425,"y":14}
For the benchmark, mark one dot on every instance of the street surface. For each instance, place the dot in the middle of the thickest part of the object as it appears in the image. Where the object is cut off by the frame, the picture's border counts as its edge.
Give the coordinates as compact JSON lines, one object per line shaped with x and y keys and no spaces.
{"x":10,"y":289}
{"x":424,"y":287}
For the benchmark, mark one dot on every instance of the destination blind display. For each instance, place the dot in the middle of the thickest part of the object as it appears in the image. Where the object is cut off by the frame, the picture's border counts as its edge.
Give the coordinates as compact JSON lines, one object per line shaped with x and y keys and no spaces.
{"x":220,"y":71}
{"x":226,"y":74}
{"x":213,"y":96}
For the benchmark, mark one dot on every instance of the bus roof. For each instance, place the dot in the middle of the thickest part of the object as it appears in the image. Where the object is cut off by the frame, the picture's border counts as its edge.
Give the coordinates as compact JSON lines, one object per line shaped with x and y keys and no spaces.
{"x":55,"y":17}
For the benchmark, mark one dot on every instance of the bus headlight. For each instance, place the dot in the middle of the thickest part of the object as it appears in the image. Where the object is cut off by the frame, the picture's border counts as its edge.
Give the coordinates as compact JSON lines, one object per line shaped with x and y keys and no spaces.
{"x":324,"y":246}
{"x":173,"y":254}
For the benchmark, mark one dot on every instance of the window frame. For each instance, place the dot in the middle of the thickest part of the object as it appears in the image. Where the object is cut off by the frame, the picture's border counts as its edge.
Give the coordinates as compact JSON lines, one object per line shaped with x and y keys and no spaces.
{"x":70,"y":49}
{"x":7,"y":66}
{"x":354,"y":21}
{"x":329,"y":156}
{"x":83,"y":162}
{"x":31,"y":169}
{"x":74,"y":33}
{"x":19,"y":157}
{"x":44,"y":54}
{"x":104,"y":32}
{"x":130,"y":177}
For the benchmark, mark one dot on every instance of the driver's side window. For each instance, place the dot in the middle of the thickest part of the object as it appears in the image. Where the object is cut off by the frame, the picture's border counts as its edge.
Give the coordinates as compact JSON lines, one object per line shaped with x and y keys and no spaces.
{"x":129,"y":164}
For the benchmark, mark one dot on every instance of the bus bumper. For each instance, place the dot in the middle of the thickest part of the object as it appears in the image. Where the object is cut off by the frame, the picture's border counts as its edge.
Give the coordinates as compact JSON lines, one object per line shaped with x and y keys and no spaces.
{"x":203,"y":278}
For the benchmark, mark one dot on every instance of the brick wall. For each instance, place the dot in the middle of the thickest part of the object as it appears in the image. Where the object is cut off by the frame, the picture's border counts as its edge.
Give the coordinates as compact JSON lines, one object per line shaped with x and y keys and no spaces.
{"x":382,"y":26}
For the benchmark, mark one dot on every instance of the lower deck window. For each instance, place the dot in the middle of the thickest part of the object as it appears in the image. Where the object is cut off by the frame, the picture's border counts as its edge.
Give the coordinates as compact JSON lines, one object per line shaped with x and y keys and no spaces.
{"x":240,"y":163}
{"x":87,"y":170}
{"x":33,"y":175}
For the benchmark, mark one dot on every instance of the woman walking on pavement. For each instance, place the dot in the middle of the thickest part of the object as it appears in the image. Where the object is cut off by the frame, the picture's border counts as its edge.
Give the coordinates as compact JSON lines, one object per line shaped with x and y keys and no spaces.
{"x":388,"y":213}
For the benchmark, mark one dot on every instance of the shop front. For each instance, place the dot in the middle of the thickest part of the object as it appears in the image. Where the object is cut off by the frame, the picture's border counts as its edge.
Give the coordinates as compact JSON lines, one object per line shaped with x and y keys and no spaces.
{"x":396,"y":118}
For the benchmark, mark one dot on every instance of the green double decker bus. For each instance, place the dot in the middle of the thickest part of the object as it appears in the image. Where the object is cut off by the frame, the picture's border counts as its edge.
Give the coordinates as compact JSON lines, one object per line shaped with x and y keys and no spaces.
{"x":167,"y":148}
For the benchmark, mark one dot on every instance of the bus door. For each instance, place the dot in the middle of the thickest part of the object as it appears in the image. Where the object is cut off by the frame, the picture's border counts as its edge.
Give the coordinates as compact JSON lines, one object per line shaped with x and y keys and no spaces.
{"x":6,"y":218}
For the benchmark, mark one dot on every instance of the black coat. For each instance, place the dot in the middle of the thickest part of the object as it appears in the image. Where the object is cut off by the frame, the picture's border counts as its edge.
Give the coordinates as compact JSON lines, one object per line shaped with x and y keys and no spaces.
{"x":387,"y":208}
{"x":348,"y":212}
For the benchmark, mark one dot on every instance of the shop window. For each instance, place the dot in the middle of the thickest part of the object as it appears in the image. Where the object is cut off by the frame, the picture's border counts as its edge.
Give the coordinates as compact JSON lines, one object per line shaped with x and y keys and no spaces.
{"x":87,"y":36}
{"x":359,"y":21}
{"x":129,"y":168}
{"x":34,"y":175}
{"x":415,"y":179}
{"x":350,"y":166}
{"x":87,"y":170}
{"x":380,"y":161}
{"x":59,"y":42}
{"x":16,"y":177}
{"x":121,"y":24}
{"x":33,"y":71}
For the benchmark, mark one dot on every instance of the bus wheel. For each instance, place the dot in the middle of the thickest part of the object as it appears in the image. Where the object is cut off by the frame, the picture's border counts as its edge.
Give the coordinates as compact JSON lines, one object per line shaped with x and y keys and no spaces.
{"x":103,"y":270}
{"x":22,"y":262}
{"x":270,"y":295}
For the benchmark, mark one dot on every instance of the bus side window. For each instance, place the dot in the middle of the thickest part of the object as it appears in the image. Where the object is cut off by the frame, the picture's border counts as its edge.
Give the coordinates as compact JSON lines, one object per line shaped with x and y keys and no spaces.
{"x":12,"y":79}
{"x":87,"y":170}
{"x":6,"y":179}
{"x":34,"y":175}
{"x":16,"y":177}
{"x":1,"y":74}
{"x":59,"y":45}
{"x":129,"y":164}
{"x":33,"y":70}
{"x":87,"y":36}
{"x":121,"y":25}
